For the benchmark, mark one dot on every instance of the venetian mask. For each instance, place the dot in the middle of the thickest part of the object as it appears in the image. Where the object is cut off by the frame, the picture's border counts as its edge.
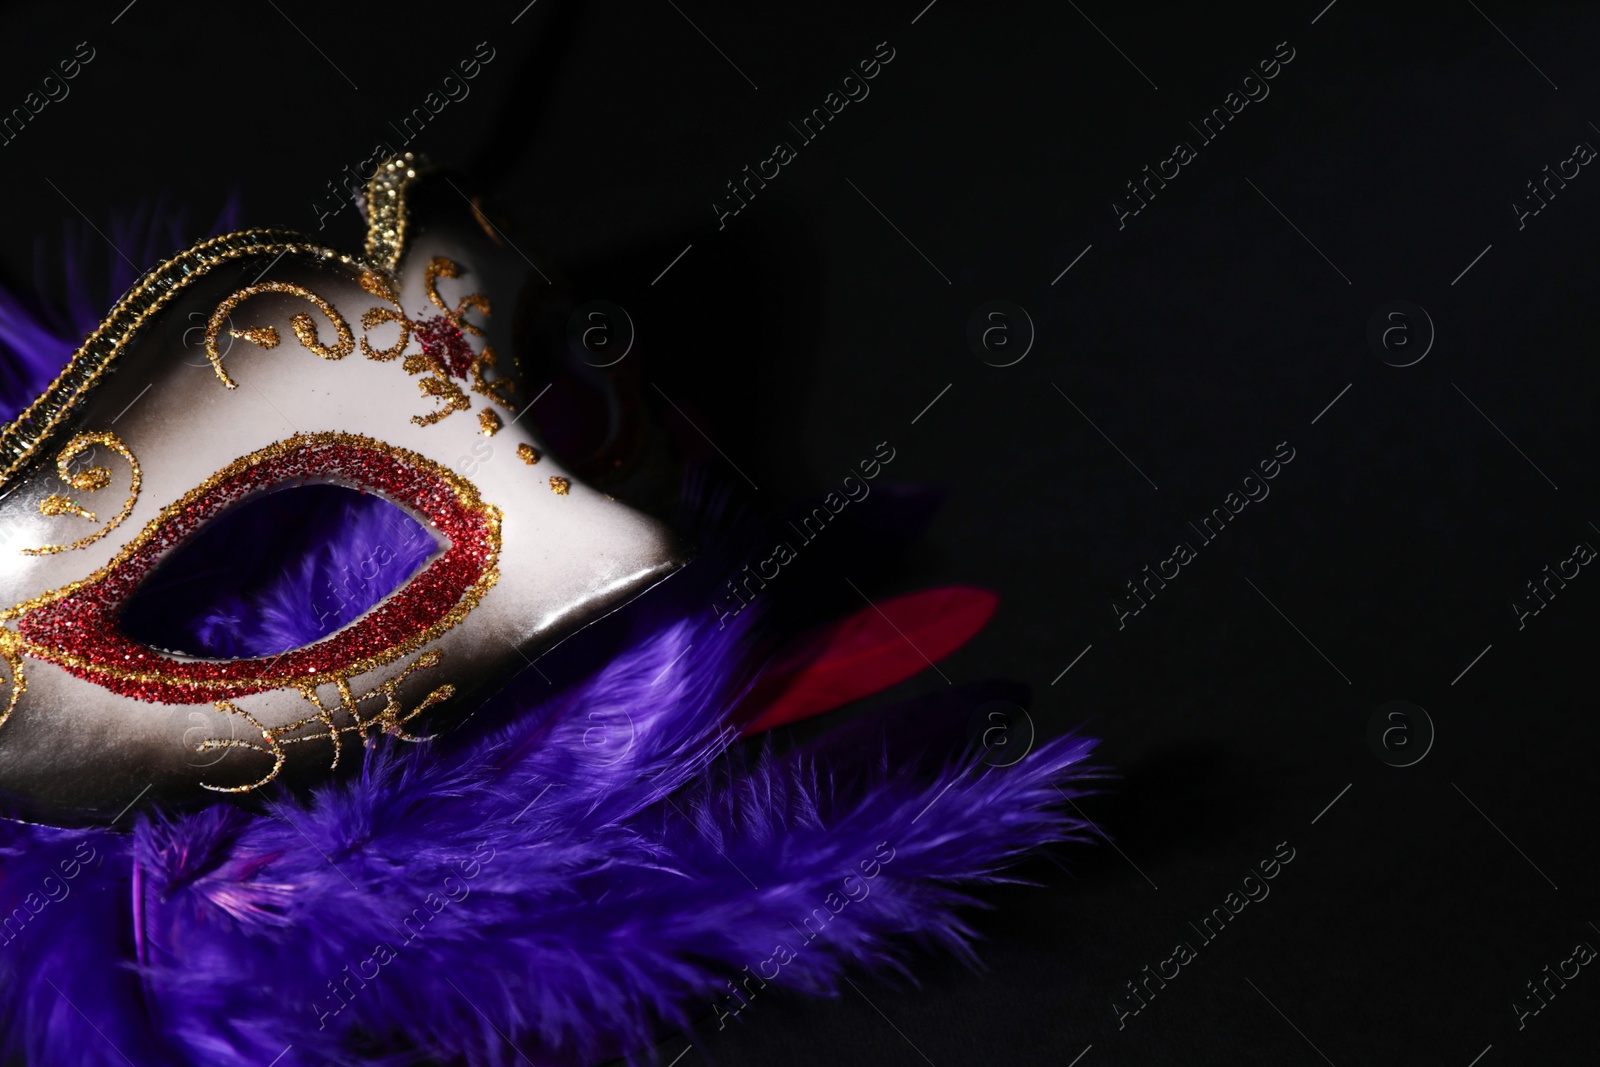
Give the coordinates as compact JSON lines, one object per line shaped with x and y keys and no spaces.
{"x":228,"y":383}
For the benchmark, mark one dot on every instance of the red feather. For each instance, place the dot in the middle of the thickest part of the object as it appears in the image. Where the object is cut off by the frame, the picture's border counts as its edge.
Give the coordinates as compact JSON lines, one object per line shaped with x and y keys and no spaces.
{"x":864,"y":653}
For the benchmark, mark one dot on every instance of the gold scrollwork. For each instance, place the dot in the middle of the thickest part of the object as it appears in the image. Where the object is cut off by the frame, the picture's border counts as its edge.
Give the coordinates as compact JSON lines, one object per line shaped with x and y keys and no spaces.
{"x":437,"y":382}
{"x":498,"y":390}
{"x":88,"y":480}
{"x":375,"y":317}
{"x":438,"y":385}
{"x":17,"y":683}
{"x":23,"y":437}
{"x":305,"y":330}
{"x":324,"y":721}
{"x":440,"y":267}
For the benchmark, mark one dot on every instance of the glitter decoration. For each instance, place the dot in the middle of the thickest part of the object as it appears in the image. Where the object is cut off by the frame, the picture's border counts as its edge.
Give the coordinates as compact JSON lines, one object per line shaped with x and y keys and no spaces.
{"x":305,"y":330}
{"x":21,"y":440}
{"x":389,"y":719}
{"x":386,"y":210}
{"x":24,"y":436}
{"x":440,"y":267}
{"x":489,"y":422}
{"x":500,"y":389}
{"x":375,"y":317}
{"x":89,"y":480}
{"x":446,"y":354}
{"x":16,"y":683}
{"x":443,"y":340}
{"x":528,"y":454}
{"x":56,"y":505}
{"x":75,"y":626}
{"x":559,"y":485}
{"x":438,"y":384}
{"x":379,"y":286}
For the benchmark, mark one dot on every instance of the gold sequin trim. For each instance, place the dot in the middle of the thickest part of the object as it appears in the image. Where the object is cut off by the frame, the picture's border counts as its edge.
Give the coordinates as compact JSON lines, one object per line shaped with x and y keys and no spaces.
{"x":21,"y":440}
{"x":489,"y":422}
{"x":90,"y":480}
{"x":386,"y":210}
{"x":528,"y":454}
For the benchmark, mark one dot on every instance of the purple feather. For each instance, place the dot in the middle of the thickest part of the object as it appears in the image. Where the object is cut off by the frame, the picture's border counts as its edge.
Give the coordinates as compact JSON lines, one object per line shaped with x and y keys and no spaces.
{"x":609,"y":862}
{"x":595,"y":871}
{"x":277,"y":572}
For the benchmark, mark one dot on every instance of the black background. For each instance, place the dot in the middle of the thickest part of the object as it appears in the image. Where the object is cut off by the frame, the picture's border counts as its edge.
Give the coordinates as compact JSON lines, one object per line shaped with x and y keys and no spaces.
{"x":1199,"y":336}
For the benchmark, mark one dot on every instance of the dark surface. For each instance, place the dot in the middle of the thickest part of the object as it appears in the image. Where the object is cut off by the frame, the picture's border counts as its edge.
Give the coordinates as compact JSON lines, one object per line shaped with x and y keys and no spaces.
{"x":1196,"y":338}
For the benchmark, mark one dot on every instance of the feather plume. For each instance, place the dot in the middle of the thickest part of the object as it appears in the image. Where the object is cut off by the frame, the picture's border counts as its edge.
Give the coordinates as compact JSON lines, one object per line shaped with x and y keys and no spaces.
{"x":600,"y":865}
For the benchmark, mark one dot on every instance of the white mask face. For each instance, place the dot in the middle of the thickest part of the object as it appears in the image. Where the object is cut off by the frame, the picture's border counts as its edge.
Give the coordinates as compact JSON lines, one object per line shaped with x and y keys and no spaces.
{"x":259,"y":363}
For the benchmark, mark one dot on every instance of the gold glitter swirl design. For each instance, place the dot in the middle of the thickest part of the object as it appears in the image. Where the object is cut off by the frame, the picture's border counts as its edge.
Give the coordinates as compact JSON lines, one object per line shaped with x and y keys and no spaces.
{"x":56,"y":505}
{"x":437,"y":383}
{"x":500,"y":389}
{"x":467,"y":493}
{"x":90,"y":480}
{"x":324,"y":723}
{"x":440,"y":267}
{"x":22,"y":439}
{"x":375,"y":317}
{"x":386,"y":210}
{"x":381,"y":287}
{"x":305,"y":330}
{"x":16,"y":683}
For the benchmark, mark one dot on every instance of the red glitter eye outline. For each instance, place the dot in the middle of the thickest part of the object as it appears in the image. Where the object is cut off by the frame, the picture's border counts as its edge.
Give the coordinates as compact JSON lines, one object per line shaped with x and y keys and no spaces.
{"x":75,"y":627}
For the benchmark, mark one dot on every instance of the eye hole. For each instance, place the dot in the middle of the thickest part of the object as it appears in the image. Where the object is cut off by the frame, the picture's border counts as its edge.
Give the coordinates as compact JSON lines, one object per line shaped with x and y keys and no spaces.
{"x":278,"y":572}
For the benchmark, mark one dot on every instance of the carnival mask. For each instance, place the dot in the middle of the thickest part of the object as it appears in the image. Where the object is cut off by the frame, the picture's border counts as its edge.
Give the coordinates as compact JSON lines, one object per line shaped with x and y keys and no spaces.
{"x":234,"y":383}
